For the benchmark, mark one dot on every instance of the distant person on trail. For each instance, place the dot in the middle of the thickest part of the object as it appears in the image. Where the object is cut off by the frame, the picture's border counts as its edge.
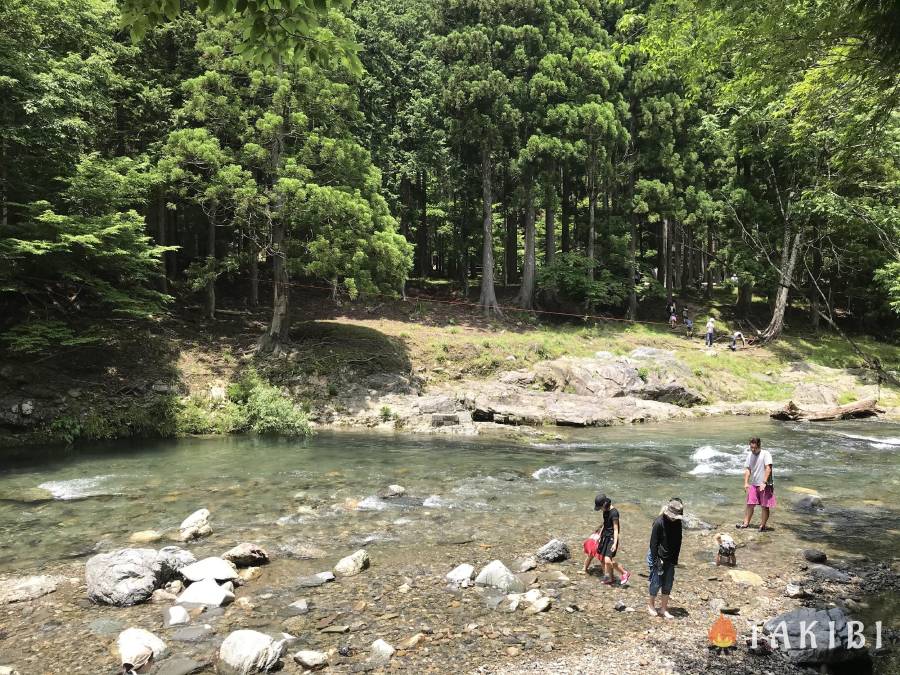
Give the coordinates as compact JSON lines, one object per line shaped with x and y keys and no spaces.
{"x":670,"y":310}
{"x":758,"y":484}
{"x":673,"y":319}
{"x":710,"y":331}
{"x":738,"y":335}
{"x":662,"y":557}
{"x":684,"y":314}
{"x":609,"y":541}
{"x":689,"y":326}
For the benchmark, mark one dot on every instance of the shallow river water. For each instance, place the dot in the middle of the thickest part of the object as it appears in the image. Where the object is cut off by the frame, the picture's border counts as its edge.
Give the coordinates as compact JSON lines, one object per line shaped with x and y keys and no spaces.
{"x":503,"y":496}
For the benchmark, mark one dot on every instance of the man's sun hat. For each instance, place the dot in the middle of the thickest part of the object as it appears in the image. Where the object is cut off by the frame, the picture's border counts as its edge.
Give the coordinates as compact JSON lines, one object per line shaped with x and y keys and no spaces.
{"x":674,"y":510}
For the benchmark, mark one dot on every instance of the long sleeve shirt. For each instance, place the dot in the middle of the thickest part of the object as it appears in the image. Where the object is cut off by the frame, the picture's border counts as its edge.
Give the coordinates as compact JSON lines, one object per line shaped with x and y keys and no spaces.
{"x":665,"y":540}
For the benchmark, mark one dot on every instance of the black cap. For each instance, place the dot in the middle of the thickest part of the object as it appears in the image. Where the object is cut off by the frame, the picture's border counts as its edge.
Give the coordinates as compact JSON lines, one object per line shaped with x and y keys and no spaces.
{"x":600,"y":501}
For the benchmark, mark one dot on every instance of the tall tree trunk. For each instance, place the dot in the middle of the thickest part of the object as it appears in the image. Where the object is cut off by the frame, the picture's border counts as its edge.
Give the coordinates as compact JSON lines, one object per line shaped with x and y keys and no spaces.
{"x":592,"y":207}
{"x":677,"y":247}
{"x":566,"y":212}
{"x":4,"y":185}
{"x":670,"y":277}
{"x":161,"y":238}
{"x":632,"y":268}
{"x":511,"y":238}
{"x":253,"y":300}
{"x":405,"y":206}
{"x":710,"y":252}
{"x":549,"y":221}
{"x":211,"y":264}
{"x":745,"y":297}
{"x":792,"y":244}
{"x":662,"y":242}
{"x":488,"y":298}
{"x":526,"y":291}
{"x":423,"y":255}
{"x":814,"y":298}
{"x":280,"y":325}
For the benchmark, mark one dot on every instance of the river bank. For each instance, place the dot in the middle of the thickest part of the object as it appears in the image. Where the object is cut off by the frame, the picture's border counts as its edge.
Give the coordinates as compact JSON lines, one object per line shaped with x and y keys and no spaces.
{"x":434,"y":369}
{"x":468,"y":500}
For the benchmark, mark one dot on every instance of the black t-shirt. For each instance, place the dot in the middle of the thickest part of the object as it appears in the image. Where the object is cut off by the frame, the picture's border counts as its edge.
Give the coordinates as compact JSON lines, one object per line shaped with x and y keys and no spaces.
{"x":609,"y":517}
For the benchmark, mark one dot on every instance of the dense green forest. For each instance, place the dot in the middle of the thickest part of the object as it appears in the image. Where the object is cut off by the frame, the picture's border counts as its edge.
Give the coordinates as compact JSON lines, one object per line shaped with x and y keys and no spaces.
{"x":594,"y":155}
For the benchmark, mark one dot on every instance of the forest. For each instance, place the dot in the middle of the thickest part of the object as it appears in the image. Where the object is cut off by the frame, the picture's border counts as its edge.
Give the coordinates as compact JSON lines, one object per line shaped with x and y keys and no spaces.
{"x":593,"y":156}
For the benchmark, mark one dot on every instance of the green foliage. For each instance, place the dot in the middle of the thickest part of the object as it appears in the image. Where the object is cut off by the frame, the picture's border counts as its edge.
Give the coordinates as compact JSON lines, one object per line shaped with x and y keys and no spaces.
{"x":267,"y":410}
{"x":569,"y":277}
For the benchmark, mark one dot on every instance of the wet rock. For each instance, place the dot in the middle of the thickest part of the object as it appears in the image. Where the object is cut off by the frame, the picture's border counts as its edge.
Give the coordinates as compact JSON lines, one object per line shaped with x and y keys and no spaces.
{"x":122,"y":578}
{"x":106,"y":627}
{"x":526,"y":564}
{"x":829,"y":573}
{"x":145,"y":537}
{"x":137,"y":648}
{"x":172,"y":559}
{"x":461,"y":575}
{"x":819,"y":623}
{"x":554,"y":550}
{"x":381,"y":651}
{"x":22,"y":589}
{"x":392,"y":491}
{"x":195,"y":525}
{"x":496,"y":575}
{"x":176,"y":616}
{"x":210,"y":568}
{"x":206,"y":592}
{"x":192,"y":634}
{"x":795,"y":591}
{"x":319,"y":579}
{"x":809,"y":503}
{"x":745,"y":578}
{"x":249,"y":574}
{"x":249,"y":651}
{"x":302,"y":551}
{"x":353,"y":564}
{"x":692,"y":522}
{"x":298,"y":607}
{"x":620,"y":606}
{"x":181,"y":666}
{"x":814,"y":555}
{"x":247,"y":555}
{"x":311,"y":659}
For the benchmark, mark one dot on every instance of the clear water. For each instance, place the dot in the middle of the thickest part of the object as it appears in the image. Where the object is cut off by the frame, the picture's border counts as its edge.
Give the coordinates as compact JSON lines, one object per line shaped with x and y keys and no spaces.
{"x":481,"y":489}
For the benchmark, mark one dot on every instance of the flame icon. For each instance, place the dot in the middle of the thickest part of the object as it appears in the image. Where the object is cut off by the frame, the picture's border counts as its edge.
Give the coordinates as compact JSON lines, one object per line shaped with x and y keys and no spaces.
{"x":722,"y":633}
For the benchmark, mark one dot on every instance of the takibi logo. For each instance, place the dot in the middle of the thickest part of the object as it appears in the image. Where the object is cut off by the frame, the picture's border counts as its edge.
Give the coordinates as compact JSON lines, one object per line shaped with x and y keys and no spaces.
{"x":722,"y":634}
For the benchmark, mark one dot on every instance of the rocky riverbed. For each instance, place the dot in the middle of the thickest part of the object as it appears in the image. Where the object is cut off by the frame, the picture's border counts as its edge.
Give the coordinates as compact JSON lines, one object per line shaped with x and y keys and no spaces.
{"x":532,"y":616}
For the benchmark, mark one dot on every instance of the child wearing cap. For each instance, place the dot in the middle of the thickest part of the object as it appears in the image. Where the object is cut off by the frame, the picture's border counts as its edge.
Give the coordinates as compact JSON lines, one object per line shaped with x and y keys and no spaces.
{"x":665,"y":547}
{"x":604,"y":543}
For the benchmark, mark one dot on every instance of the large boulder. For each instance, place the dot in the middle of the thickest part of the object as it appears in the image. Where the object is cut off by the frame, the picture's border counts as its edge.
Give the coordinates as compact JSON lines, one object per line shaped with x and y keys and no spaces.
{"x":829,"y":573}
{"x":554,"y":550}
{"x":27,"y":588}
{"x":122,"y":578}
{"x":247,"y":555}
{"x":603,"y":378}
{"x":821,"y":623}
{"x":497,"y":575}
{"x":195,"y":525}
{"x":210,"y":568}
{"x":353,"y":564}
{"x":249,"y":651}
{"x":138,"y":648}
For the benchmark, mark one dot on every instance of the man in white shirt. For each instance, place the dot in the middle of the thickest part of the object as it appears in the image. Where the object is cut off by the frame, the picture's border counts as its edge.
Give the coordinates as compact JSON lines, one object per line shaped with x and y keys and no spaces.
{"x":710,"y":331}
{"x":758,"y":484}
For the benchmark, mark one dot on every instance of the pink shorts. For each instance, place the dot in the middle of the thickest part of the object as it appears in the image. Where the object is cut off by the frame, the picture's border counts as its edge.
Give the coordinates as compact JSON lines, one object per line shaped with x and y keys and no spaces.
{"x":757,"y":497}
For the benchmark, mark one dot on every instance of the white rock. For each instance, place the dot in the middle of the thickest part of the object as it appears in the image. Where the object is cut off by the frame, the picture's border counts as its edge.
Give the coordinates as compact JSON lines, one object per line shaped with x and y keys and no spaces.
{"x":145,"y":537}
{"x":353,"y":564}
{"x":532,"y":596}
{"x":381,"y":650}
{"x":309,"y":658}
{"x":210,"y":568}
{"x":206,"y":592}
{"x":300,"y":606}
{"x":249,"y":651}
{"x":8,"y":670}
{"x":122,"y":578}
{"x":461,"y":575}
{"x":176,"y":616}
{"x":27,"y":588}
{"x":195,"y":525}
{"x":247,"y":555}
{"x":138,"y":647}
{"x":163,"y":597}
{"x":542,"y":604}
{"x":496,"y":575}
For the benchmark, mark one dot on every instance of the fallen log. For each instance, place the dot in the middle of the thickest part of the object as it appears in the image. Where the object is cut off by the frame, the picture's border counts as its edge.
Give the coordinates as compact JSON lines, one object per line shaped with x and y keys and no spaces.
{"x":857,"y":410}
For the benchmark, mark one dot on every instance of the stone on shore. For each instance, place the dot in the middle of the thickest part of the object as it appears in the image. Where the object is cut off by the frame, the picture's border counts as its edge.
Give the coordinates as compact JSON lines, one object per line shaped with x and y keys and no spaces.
{"x":496,"y":575}
{"x":176,"y":616}
{"x":298,"y":607}
{"x":210,"y":568}
{"x":814,"y":555}
{"x":809,"y":503}
{"x":829,"y":573}
{"x":23,"y":589}
{"x":145,"y":537}
{"x":172,"y":559}
{"x":381,"y":650}
{"x":137,"y":648}
{"x":247,"y":555}
{"x":818,"y":622}
{"x":195,"y":525}
{"x":392,"y":491}
{"x":461,"y":575}
{"x":745,"y":578}
{"x":206,"y":592}
{"x":554,"y":550}
{"x":319,"y":579}
{"x":311,"y":659}
{"x":353,"y":564}
{"x":249,"y":651}
{"x":122,"y":578}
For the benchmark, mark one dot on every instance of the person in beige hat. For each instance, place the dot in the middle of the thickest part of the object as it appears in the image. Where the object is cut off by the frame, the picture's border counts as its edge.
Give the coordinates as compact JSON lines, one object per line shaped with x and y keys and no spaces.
{"x":662,"y":557}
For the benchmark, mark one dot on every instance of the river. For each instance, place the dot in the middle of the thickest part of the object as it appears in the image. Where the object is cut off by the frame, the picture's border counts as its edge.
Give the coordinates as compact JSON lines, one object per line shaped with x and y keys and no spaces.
{"x":496,"y":496}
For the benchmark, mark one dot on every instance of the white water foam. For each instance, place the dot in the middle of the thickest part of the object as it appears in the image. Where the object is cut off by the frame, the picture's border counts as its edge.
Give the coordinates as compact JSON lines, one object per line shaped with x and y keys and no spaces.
{"x":434,"y":502}
{"x":372,"y":503}
{"x":76,"y":488}
{"x":880,"y":443}
{"x":715,"y":461}
{"x":554,"y":474}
